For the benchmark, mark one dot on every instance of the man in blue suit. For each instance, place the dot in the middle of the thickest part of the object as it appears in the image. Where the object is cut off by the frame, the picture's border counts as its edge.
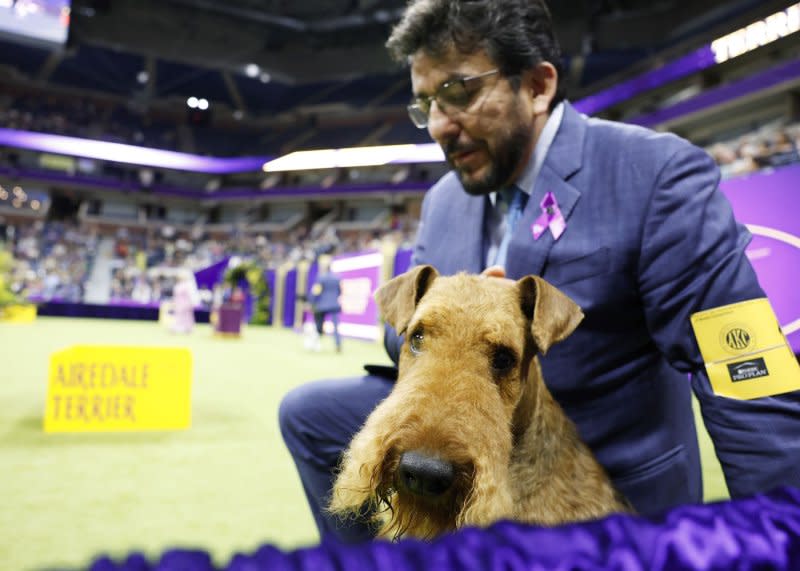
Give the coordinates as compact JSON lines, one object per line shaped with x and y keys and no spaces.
{"x":628,"y":222}
{"x":324,"y":300}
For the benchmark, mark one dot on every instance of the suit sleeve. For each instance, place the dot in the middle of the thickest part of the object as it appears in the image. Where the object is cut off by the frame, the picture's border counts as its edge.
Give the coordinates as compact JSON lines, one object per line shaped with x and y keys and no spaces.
{"x":693,"y":258}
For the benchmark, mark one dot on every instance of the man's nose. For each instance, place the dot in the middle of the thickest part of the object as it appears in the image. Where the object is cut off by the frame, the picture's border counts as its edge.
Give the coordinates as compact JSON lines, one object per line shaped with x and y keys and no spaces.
{"x":441,"y":125}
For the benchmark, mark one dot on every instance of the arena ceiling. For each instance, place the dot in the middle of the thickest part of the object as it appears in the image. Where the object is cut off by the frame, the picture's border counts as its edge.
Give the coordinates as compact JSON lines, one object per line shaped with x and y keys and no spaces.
{"x":306,"y":41}
{"x":271,"y":59}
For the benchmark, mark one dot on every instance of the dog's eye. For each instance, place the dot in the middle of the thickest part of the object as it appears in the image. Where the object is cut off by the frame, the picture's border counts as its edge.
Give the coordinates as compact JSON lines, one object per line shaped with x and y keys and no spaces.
{"x":503,"y":359}
{"x":415,"y":341}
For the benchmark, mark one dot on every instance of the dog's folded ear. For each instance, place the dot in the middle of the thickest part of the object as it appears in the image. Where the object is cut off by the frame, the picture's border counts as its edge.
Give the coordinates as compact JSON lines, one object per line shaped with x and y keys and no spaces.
{"x":553,"y":315}
{"x":398,"y":298}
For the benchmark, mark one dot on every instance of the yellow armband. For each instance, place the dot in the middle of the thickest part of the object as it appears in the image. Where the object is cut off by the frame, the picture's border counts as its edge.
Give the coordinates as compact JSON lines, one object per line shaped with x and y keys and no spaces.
{"x":745,"y":352}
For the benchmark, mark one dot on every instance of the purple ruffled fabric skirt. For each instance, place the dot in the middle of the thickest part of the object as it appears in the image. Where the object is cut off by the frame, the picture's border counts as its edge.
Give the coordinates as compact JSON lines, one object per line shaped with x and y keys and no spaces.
{"x":757,"y":533}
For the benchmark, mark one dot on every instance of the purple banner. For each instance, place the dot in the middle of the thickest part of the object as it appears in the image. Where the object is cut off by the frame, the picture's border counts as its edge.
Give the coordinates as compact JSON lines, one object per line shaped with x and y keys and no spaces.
{"x":687,"y":65}
{"x":208,"y":277}
{"x":769,"y":79}
{"x":360,"y":275}
{"x":766,"y":203}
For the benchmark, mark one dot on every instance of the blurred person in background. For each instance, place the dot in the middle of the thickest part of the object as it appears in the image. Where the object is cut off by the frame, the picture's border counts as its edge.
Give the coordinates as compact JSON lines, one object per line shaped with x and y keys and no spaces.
{"x":142,"y":291}
{"x":783,"y":150}
{"x":324,"y":300}
{"x":627,"y":222}
{"x":184,"y":299}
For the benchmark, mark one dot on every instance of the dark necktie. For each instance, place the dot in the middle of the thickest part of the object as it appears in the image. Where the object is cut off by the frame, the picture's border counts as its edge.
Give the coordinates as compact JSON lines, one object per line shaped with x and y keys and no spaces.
{"x":515,"y":198}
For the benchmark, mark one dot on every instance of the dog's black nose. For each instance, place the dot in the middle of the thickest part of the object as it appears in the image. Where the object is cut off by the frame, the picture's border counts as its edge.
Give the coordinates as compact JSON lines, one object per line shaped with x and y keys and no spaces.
{"x":424,"y":475}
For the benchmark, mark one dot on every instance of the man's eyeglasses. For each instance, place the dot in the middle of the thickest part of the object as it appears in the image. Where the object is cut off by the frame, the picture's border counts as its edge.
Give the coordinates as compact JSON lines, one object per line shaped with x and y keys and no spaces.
{"x":453,"y":95}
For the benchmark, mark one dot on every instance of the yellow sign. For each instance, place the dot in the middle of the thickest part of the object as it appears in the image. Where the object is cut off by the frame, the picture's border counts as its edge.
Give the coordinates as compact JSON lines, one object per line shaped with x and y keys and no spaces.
{"x":113,"y":389}
{"x":18,"y":313}
{"x":745,"y":352}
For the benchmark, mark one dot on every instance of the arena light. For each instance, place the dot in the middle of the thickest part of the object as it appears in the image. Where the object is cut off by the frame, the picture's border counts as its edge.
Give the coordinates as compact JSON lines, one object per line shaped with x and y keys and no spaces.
{"x":127,"y":154}
{"x":144,"y":156}
{"x":757,"y":34}
{"x":356,"y":157}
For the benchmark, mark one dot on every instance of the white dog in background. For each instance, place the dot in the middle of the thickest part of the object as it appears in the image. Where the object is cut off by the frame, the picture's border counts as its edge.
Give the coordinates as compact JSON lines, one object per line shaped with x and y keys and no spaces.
{"x":311,"y":340}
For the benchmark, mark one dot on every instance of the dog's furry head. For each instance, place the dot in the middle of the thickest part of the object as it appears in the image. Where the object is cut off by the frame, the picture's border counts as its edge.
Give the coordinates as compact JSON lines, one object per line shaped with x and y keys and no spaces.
{"x":466,"y":391}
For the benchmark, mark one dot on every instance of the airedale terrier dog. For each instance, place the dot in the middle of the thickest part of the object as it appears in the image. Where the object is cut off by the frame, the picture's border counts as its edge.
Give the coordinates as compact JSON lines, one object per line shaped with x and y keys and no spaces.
{"x":470,"y":434}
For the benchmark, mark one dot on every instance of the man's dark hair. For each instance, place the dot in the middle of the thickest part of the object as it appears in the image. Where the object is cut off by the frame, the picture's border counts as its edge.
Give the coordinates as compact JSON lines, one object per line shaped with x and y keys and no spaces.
{"x":516,"y":34}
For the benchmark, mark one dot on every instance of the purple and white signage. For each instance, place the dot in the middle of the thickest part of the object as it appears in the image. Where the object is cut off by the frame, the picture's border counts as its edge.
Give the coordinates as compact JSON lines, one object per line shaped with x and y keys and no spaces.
{"x":766,"y":203}
{"x":360,"y":276}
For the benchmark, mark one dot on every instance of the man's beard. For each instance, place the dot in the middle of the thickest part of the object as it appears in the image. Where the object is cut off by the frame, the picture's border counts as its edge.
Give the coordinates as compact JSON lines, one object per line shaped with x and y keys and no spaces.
{"x":505,"y":160}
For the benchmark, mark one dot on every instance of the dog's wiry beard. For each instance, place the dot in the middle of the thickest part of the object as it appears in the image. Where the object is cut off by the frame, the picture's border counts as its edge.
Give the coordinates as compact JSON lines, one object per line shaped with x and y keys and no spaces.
{"x":403,"y":514}
{"x":366,"y":483}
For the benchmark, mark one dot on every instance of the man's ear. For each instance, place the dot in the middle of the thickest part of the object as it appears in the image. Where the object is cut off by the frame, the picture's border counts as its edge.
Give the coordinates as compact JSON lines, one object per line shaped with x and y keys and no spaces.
{"x":553,"y":315}
{"x":398,"y":298}
{"x":543,"y":83}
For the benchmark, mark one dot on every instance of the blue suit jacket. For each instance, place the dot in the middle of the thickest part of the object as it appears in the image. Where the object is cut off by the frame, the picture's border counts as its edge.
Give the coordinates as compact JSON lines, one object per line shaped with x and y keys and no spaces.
{"x":649,"y":241}
{"x":326,"y":300}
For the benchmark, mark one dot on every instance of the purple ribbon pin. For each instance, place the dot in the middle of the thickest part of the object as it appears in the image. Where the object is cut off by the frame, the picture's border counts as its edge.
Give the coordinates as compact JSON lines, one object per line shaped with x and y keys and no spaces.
{"x":550,"y":217}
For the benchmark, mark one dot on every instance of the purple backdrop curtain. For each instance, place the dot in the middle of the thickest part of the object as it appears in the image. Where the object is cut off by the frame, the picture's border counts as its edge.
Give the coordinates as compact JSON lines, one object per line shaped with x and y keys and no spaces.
{"x":289,"y":297}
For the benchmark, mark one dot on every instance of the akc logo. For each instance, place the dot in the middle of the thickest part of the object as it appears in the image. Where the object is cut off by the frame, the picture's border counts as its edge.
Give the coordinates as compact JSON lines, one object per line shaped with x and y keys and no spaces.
{"x":736,"y":338}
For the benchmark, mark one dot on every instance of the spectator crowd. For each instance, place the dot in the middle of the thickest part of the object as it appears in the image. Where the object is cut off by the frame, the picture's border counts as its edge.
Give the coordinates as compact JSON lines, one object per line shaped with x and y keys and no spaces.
{"x":53,"y":260}
{"x":772,"y":146}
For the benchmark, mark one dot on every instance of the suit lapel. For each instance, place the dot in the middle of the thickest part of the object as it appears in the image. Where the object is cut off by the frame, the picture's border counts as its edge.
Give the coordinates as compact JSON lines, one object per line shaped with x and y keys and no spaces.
{"x":526,"y":255}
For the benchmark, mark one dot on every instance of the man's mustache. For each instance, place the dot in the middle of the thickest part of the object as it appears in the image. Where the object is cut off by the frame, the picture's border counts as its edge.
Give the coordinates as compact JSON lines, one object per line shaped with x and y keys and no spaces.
{"x":455,"y":148}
